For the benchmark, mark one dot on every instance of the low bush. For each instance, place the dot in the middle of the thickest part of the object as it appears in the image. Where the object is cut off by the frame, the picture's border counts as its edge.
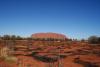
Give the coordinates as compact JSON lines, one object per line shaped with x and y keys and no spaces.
{"x":85,"y":63}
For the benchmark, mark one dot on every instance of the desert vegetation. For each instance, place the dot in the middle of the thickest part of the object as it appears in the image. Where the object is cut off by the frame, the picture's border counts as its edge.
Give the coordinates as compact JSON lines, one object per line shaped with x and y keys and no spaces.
{"x":49,"y":52}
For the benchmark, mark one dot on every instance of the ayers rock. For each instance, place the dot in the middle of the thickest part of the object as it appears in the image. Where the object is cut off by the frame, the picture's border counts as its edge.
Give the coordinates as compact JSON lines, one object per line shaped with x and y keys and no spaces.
{"x":49,"y":35}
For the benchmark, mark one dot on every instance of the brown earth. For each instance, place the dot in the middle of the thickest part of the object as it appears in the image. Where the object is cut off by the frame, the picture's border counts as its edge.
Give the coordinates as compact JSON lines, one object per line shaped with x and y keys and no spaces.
{"x":53,"y":54}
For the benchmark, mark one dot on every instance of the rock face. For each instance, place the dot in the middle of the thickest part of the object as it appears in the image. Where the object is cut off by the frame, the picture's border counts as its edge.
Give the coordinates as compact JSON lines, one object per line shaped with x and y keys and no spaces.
{"x":49,"y":35}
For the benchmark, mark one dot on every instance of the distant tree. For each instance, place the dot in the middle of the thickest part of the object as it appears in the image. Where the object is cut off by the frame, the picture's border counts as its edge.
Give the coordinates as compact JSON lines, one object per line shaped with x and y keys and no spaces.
{"x":6,"y":37}
{"x":69,"y":39}
{"x":0,"y":37}
{"x":99,"y":40}
{"x":13,"y":37}
{"x":93,"y":39}
{"x":82,"y":40}
{"x":29,"y":38}
{"x":19,"y":38}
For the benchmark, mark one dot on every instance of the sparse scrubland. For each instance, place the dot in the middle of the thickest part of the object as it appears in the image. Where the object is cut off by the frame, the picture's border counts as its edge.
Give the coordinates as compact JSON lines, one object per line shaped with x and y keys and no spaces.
{"x":16,"y":51}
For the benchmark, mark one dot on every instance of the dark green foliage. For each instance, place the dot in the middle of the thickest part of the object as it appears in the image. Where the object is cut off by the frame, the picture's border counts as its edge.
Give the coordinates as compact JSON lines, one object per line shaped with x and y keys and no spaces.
{"x":6,"y":37}
{"x":11,"y":37}
{"x":94,"y":40}
{"x":99,"y":40}
{"x":34,"y":53}
{"x":85,"y":63}
{"x":45,"y":58}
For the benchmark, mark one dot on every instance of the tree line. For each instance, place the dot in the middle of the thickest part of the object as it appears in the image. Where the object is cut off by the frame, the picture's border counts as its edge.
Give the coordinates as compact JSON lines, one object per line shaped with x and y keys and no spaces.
{"x":11,"y":37}
{"x":14,"y":37}
{"x":91,"y":39}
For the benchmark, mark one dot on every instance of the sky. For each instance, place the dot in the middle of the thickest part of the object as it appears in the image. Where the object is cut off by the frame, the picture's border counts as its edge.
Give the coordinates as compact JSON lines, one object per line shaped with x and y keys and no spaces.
{"x":74,"y":18}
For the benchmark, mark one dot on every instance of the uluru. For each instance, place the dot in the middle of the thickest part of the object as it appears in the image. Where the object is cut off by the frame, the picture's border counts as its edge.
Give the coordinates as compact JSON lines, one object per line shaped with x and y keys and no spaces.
{"x":49,"y":35}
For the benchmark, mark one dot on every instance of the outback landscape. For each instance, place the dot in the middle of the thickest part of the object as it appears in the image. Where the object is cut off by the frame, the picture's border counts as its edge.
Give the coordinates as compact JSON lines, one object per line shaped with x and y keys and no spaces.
{"x":49,"y":50}
{"x":49,"y":33}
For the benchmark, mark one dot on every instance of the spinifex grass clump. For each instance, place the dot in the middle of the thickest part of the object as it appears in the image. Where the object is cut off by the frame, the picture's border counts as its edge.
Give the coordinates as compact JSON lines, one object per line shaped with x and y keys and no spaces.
{"x":46,"y":58}
{"x":85,"y":63}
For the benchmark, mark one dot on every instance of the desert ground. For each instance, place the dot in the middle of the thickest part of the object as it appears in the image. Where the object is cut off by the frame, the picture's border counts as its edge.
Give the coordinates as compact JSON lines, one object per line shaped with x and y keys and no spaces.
{"x":50,"y":54}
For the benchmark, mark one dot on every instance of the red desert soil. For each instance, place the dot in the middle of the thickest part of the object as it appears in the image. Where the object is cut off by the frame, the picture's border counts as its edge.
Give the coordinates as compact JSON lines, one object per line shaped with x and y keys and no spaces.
{"x":74,"y":55}
{"x":26,"y":61}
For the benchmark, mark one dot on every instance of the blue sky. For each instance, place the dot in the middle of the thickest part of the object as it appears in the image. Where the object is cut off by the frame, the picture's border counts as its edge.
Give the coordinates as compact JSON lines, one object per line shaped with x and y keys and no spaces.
{"x":74,"y":18}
